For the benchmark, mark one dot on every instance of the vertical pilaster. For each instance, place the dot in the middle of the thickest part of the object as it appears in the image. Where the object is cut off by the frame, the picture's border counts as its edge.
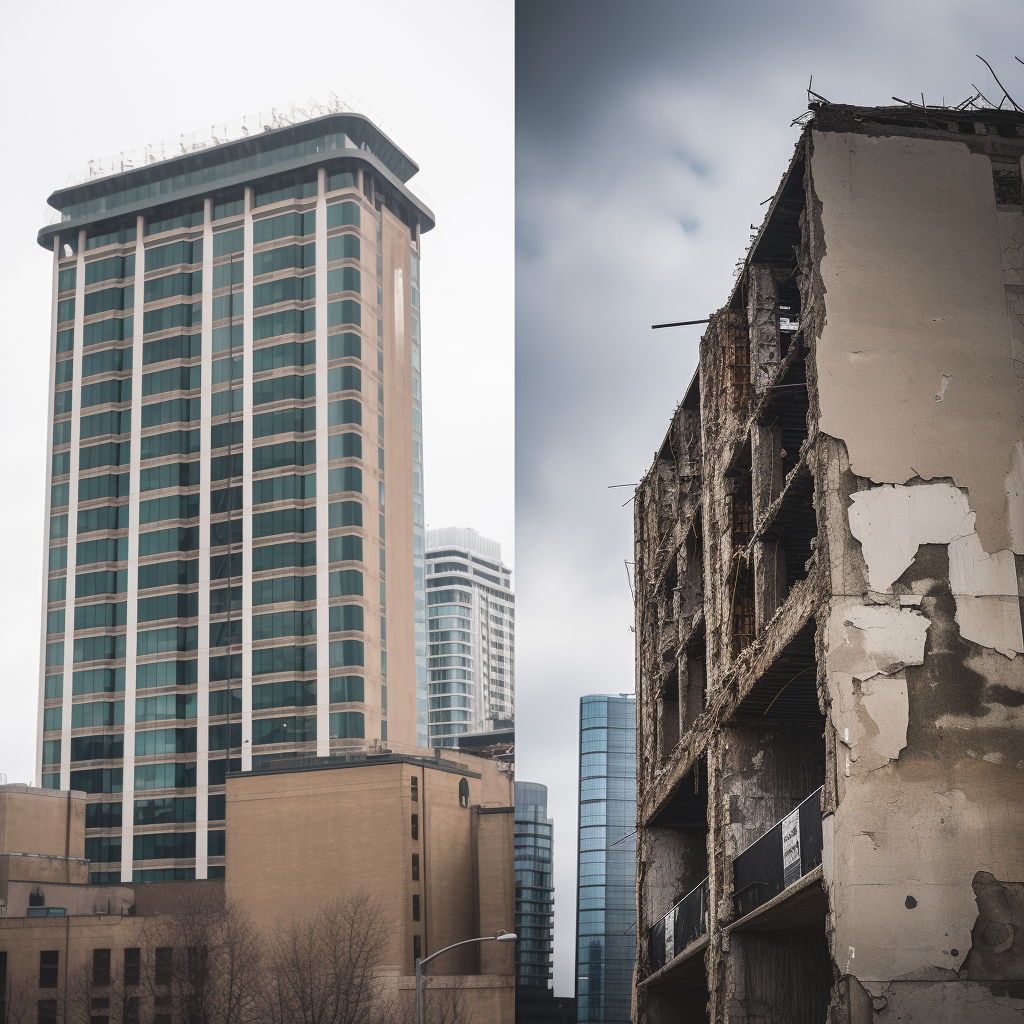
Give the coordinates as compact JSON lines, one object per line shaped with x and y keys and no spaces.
{"x":323,"y":614}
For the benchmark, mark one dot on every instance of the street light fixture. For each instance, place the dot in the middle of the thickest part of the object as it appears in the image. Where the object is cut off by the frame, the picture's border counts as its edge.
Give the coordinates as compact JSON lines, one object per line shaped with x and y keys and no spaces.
{"x":498,"y":937}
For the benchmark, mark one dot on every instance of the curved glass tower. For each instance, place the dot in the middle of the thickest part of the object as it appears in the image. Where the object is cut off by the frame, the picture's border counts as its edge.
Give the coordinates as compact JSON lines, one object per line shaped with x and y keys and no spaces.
{"x":606,"y":902}
{"x":535,"y":893}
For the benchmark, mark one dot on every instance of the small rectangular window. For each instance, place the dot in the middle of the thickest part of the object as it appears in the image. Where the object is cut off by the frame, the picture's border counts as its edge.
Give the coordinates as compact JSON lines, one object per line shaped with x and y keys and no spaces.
{"x":415,"y":867}
{"x":49,"y":961}
{"x":132,"y":965}
{"x":415,"y":826}
{"x":417,"y":947}
{"x":130,"y":1014}
{"x":101,"y":967}
{"x":164,"y":965}
{"x":46,"y":1011}
{"x":415,"y":783}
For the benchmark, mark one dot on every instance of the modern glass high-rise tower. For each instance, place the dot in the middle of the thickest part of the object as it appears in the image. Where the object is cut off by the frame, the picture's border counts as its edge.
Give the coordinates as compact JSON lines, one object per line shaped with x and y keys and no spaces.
{"x":606,"y":895}
{"x":471,"y":628}
{"x":235,"y":511}
{"x":535,"y":892}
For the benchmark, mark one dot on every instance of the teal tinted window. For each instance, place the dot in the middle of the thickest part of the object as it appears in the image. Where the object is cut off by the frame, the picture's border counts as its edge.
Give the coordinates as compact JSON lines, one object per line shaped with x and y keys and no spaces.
{"x":347,"y":725}
{"x":168,"y":317}
{"x":281,"y":488}
{"x":346,"y":617}
{"x":97,"y":748}
{"x":227,"y":370}
{"x":108,"y":330}
{"x":176,"y":253}
{"x":286,"y":257}
{"x":98,"y":780}
{"x":286,"y":289}
{"x":168,"y":606}
{"x":342,"y":247}
{"x":164,"y":845}
{"x":174,"y":474}
{"x":342,"y":179}
{"x":284,"y":421}
{"x":224,"y":434}
{"x":112,"y":485}
{"x":110,"y":453}
{"x":228,"y":336}
{"x":180,"y":378}
{"x":225,"y":566}
{"x":348,"y":410}
{"x":215,"y":807}
{"x":283,"y":659}
{"x":165,"y":641}
{"x":293,"y":693}
{"x":108,"y":299}
{"x":175,"y":442}
{"x":284,"y":556}
{"x":176,"y":538}
{"x":97,"y":680}
{"x":165,"y":705}
{"x":284,"y":588}
{"x":281,"y":624}
{"x":280,"y":389}
{"x":59,"y":495}
{"x":270,"y":228}
{"x":173,"y":219}
{"x":165,"y":776}
{"x":345,"y":446}
{"x":52,"y":719}
{"x":61,"y":464}
{"x":345,"y":279}
{"x":227,"y":242}
{"x":295,"y":729}
{"x":341,"y":345}
{"x":226,"y":533}
{"x":285,"y":321}
{"x":175,"y":506}
{"x":109,"y":549}
{"x":110,"y":269}
{"x":58,"y":558}
{"x":345,"y":513}
{"x":223,"y":702}
{"x":346,"y":583}
{"x":346,"y":549}
{"x":58,"y":527}
{"x":119,"y":236}
{"x":62,"y":403}
{"x":51,"y":752}
{"x":345,"y":478}
{"x":158,"y":288}
{"x":106,"y":391}
{"x":105,"y":517}
{"x":229,"y":207}
{"x":227,"y":274}
{"x":284,"y":520}
{"x":285,"y":453}
{"x":65,"y":340}
{"x":344,"y":378}
{"x":347,"y":311}
{"x":65,"y":310}
{"x":108,"y":582}
{"x":166,"y":673}
{"x":292,"y":190}
{"x":227,"y":401}
{"x":165,"y":574}
{"x":98,"y":616}
{"x":182,"y":346}
{"x":97,"y":713}
{"x":66,"y":279}
{"x":62,"y":433}
{"x":111,"y":422}
{"x":64,"y":372}
{"x":345,"y":689}
{"x":55,"y":622}
{"x":174,"y":410}
{"x":339,"y":214}
{"x":110,"y":360}
{"x":227,"y":306}
{"x":165,"y":741}
{"x":169,"y":810}
{"x":99,"y":648}
{"x":56,"y":590}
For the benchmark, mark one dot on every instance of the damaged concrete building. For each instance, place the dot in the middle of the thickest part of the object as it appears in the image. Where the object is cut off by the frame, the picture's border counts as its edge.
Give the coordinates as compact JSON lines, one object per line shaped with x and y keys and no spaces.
{"x":830,"y":687}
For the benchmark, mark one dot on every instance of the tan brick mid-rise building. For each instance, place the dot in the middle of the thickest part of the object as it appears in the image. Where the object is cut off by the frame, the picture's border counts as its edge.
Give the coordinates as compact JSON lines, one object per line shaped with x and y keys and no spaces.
{"x":829,"y":555}
{"x":426,"y":840}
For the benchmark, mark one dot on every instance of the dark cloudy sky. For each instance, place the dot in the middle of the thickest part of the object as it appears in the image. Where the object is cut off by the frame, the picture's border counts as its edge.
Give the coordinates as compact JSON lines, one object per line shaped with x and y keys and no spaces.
{"x":647,"y":135}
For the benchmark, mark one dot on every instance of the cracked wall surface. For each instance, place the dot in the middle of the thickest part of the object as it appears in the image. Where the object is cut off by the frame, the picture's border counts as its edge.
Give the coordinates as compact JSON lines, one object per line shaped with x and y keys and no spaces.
{"x":830,"y":570}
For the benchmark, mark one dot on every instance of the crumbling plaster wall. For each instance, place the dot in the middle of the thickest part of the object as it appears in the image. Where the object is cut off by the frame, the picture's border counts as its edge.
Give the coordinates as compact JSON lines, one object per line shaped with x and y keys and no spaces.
{"x":920,"y":379}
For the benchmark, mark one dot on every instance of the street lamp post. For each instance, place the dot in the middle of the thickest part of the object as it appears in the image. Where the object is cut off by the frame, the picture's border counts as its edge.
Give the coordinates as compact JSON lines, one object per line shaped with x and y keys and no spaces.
{"x":500,"y":937}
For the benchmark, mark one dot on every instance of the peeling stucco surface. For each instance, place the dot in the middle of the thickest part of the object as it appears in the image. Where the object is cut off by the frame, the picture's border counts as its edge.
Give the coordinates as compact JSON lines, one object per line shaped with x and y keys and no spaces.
{"x":892,"y":522}
{"x":902,"y":322}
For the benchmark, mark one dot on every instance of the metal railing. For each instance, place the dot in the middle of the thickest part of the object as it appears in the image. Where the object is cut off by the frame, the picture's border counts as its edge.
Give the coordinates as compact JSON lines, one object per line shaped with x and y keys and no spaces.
{"x":789,"y":850}
{"x":684,"y":923}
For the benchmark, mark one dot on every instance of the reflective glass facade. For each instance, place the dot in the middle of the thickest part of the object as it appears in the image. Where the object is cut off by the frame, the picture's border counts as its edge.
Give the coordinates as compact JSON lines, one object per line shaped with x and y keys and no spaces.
{"x":233,"y":481}
{"x":535,"y":893}
{"x":606,"y":893}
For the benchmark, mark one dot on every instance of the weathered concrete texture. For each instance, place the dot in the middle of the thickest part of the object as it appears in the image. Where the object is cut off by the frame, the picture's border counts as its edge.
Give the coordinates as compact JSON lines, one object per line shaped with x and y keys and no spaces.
{"x":914,"y":280}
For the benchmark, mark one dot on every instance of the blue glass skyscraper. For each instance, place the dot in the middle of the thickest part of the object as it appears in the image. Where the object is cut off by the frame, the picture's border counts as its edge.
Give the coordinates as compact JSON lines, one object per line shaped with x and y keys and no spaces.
{"x":535,"y":894}
{"x":606,"y":894}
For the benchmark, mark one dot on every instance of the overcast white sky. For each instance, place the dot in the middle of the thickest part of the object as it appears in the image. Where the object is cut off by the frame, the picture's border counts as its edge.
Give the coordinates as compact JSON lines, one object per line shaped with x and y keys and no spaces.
{"x":84,"y":81}
{"x":647,"y":135}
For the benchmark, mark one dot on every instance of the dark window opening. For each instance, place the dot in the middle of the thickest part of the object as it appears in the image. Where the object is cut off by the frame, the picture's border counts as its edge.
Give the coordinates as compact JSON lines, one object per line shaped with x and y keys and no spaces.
{"x":693,"y":685}
{"x":740,"y":581}
{"x":415,"y":789}
{"x":49,"y":961}
{"x":132,"y":967}
{"x":164,"y":965}
{"x":415,"y":867}
{"x":415,"y":826}
{"x":463,"y":793}
{"x":130,"y":1014}
{"x":101,"y":967}
{"x":415,"y":907}
{"x":788,"y":311}
{"x":36,"y":898}
{"x":417,"y":948}
{"x":668,"y":714}
{"x":46,"y":1011}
